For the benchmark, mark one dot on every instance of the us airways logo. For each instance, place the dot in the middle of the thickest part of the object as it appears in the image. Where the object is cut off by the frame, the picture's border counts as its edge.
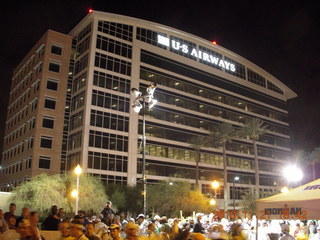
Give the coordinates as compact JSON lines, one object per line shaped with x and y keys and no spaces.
{"x":196,"y":53}
{"x":312,"y":187}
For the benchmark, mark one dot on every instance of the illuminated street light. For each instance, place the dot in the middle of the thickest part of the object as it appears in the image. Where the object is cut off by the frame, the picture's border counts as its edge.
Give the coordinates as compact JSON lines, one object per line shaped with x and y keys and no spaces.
{"x":284,"y":190}
{"x":75,"y":192}
{"x":139,"y":103}
{"x":236,"y":178}
{"x":213,"y":202}
{"x":292,"y":173}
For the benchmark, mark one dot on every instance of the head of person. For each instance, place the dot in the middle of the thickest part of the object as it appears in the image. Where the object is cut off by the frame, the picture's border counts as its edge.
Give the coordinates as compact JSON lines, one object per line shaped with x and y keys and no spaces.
{"x":24,"y":228}
{"x":140,"y":218}
{"x":116,"y":219}
{"x":61,"y":212}
{"x":12,"y":221}
{"x":54,"y":210}
{"x":114,"y":231}
{"x":108,"y":204}
{"x":81,"y":213}
{"x":122,"y":215}
{"x":285,"y":228}
{"x":152,"y":227}
{"x":235,"y":229}
{"x":65,"y":228}
{"x":12,"y":208}
{"x":131,"y":229}
{"x":76,"y":228}
{"x":34,"y":217}
{"x":90,"y":229}
{"x":199,"y":216}
{"x":25,"y":212}
{"x":164,"y":220}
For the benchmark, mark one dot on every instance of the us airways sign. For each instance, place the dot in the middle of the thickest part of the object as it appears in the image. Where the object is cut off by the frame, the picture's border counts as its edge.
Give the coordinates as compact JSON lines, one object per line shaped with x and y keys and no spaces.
{"x":196,"y":53}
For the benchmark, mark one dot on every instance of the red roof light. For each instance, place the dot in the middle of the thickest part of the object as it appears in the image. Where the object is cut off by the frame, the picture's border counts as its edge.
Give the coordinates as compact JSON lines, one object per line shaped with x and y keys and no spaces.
{"x":90,"y":10}
{"x":214,"y":43}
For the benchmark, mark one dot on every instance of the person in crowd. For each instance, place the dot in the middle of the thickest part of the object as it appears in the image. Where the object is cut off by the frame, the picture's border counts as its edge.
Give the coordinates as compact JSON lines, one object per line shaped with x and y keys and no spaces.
{"x":24,"y":215}
{"x":197,"y":227}
{"x":90,"y":234}
{"x":164,"y":227}
{"x":61,"y":214}
{"x":12,"y":209}
{"x":143,"y":224}
{"x":285,"y":229}
{"x":77,"y":230}
{"x":12,"y":222}
{"x":115,"y":232}
{"x":25,"y":230}
{"x":3,"y":224}
{"x":316,"y":236}
{"x":132,"y":231}
{"x":123,"y":220}
{"x":297,"y":230}
{"x":236,"y":232}
{"x":65,"y":229}
{"x":108,"y":213}
{"x":117,"y":221}
{"x":34,"y":221}
{"x":51,"y":223}
{"x":100,"y":229}
{"x":151,"y":230}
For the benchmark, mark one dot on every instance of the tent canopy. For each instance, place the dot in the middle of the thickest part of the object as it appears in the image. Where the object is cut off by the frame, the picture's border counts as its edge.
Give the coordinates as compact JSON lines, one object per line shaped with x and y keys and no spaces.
{"x":300,"y":203}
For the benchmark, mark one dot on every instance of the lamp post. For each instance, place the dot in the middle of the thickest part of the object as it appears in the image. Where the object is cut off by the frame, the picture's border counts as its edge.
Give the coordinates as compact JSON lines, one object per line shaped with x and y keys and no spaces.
{"x":292,"y":174}
{"x":236,"y":178}
{"x":75,"y":192}
{"x":139,"y":103}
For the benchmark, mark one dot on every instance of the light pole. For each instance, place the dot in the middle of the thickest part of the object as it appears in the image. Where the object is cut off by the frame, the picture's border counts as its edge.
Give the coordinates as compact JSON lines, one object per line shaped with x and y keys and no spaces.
{"x":292,"y":174}
{"x":75,"y":192}
{"x":139,"y":102}
{"x":236,"y":178}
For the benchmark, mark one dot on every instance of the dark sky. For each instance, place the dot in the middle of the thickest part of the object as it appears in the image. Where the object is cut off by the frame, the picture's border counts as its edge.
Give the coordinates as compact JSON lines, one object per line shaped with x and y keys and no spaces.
{"x":282,"y":37}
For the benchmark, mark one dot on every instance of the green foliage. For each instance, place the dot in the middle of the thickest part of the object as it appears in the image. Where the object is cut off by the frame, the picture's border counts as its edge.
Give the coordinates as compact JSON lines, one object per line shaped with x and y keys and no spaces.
{"x":249,"y":199}
{"x":168,"y":199}
{"x":223,"y":133}
{"x":253,"y":128}
{"x":43,"y":191}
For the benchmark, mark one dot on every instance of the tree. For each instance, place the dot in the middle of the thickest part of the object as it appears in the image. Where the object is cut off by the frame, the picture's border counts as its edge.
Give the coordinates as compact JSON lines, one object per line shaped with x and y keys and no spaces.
{"x":252,"y":129}
{"x":43,"y":191}
{"x":168,"y":198}
{"x":220,"y":135}
{"x":197,"y":143}
{"x":313,"y":159}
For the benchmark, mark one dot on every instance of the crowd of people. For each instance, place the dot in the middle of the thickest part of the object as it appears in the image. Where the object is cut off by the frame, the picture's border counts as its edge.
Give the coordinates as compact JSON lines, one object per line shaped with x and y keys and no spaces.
{"x":109,"y":226}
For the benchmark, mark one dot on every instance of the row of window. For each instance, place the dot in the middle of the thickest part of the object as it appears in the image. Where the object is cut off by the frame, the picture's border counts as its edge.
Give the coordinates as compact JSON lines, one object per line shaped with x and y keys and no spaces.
{"x":113,"y":46}
{"x":112,"y":64}
{"x":108,"y":162}
{"x":108,"y":141}
{"x":109,"y":121}
{"x":192,"y":88}
{"x":24,"y":164}
{"x":110,"y":101}
{"x":118,"y":30}
{"x":75,"y":140}
{"x":112,"y":82}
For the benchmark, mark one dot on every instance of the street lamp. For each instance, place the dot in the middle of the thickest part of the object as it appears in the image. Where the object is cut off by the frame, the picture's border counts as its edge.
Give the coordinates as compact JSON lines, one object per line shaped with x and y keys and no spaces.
{"x":292,"y":173}
{"x":75,"y":192}
{"x":284,"y":189}
{"x":236,"y":178}
{"x":139,"y":103}
{"x":215,"y":185}
{"x":213,"y":202}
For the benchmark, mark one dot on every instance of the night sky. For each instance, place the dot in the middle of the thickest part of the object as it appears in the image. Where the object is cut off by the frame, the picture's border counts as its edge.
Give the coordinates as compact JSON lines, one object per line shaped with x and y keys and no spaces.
{"x":282,"y":37}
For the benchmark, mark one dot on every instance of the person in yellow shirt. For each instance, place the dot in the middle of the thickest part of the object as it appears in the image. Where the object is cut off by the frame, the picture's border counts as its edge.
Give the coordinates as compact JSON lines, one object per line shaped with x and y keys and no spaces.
{"x":65,"y":229}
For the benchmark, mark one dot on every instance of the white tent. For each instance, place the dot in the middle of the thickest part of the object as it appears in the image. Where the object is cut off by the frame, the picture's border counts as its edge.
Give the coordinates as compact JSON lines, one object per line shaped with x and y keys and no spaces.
{"x":300,"y":203}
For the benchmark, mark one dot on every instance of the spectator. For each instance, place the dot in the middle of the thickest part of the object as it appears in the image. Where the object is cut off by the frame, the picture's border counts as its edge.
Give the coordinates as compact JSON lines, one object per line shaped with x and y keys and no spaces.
{"x":77,"y":230}
{"x":12,"y":222}
{"x":65,"y":229}
{"x":90,"y":234}
{"x":34,"y":220}
{"x":108,"y":213}
{"x":197,"y":227}
{"x":3,"y":224}
{"x":61,"y":214}
{"x":115,"y":232}
{"x":143,"y":224}
{"x":24,"y":215}
{"x":12,"y":209}
{"x":25,"y":230}
{"x":236,"y":232}
{"x":99,"y":227}
{"x":51,"y":223}
{"x":132,"y":231}
{"x":285,"y":230}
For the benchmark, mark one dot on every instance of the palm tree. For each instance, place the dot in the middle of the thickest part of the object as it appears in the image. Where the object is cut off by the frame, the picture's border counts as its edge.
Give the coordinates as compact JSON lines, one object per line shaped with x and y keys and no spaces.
{"x":252,"y":129}
{"x":197,"y":143}
{"x":313,"y":159}
{"x":220,"y":135}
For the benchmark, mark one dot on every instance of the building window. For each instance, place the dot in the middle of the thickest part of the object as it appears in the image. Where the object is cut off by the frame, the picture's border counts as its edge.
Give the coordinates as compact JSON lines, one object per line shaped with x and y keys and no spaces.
{"x":116,"y":47}
{"x":119,"y":30}
{"x":112,"y":64}
{"x":44,"y":162}
{"x":108,"y":81}
{"x":56,"y":50}
{"x":48,"y":122}
{"x":52,"y":84}
{"x":50,"y":103}
{"x":54,"y":67}
{"x":46,"y":142}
